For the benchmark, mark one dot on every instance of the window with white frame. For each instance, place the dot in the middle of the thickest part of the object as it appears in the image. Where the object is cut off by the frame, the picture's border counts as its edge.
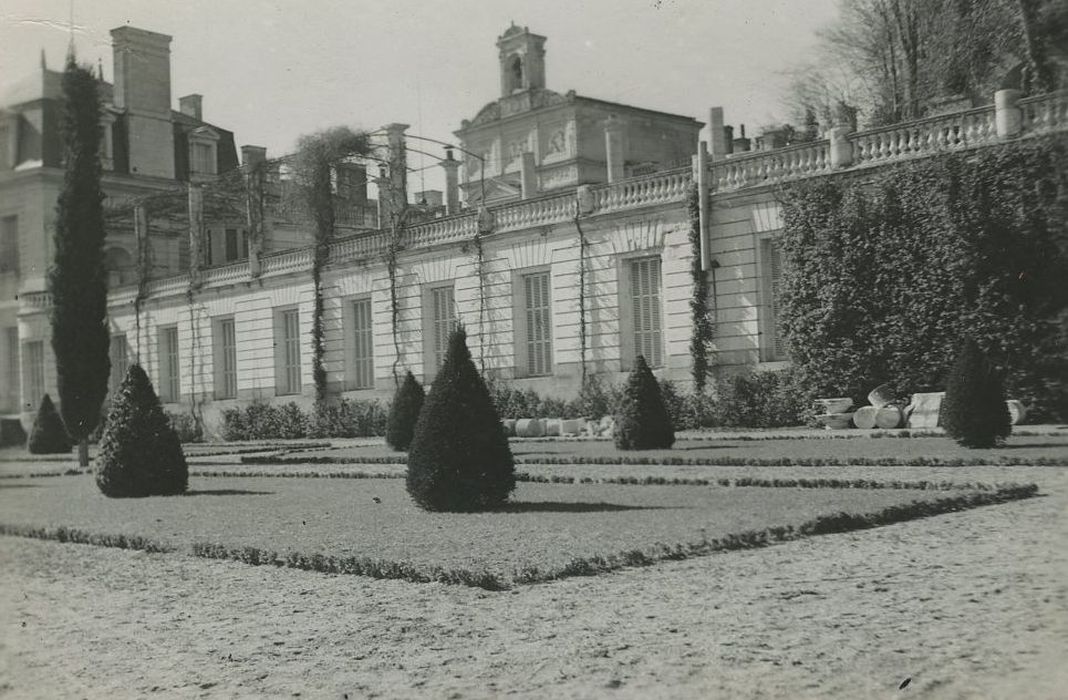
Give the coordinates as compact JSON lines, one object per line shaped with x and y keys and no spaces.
{"x":647,"y":323}
{"x":287,"y":375}
{"x":202,"y":158}
{"x":224,"y":341}
{"x":9,"y":244}
{"x":11,"y":368}
{"x":118,"y":353}
{"x":363,"y":349}
{"x":537,"y":325}
{"x":773,"y":346}
{"x":442,"y":318}
{"x":35,"y":375}
{"x":169,"y":369}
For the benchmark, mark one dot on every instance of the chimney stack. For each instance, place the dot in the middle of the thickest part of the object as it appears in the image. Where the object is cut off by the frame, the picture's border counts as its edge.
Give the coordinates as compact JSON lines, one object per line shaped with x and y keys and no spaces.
{"x":528,"y":177}
{"x":741,"y":144}
{"x":613,"y":148}
{"x":192,"y":106}
{"x":253,"y":155}
{"x":143,"y":88}
{"x":718,"y":134}
{"x":452,"y":188}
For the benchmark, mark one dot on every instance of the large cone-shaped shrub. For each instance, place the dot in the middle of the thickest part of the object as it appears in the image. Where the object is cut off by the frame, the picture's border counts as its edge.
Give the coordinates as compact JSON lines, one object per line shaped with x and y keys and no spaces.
{"x":139,"y":452}
{"x":459,"y":458}
{"x":49,"y":435}
{"x":643,"y":422}
{"x":407,"y":402}
{"x":974,"y":411}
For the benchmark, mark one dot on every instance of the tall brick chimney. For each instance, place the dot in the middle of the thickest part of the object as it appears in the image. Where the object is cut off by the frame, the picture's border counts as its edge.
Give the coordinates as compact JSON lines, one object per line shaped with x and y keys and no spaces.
{"x":192,"y":106}
{"x":143,"y":88}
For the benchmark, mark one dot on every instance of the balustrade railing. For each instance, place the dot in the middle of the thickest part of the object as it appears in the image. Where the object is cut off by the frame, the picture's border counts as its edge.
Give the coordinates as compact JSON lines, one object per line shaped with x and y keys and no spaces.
{"x":779,"y":164}
{"x":442,"y":230}
{"x":226,"y":273}
{"x":288,"y":261}
{"x":667,"y":186}
{"x":1045,"y":113}
{"x":534,"y":212}
{"x":974,"y":127}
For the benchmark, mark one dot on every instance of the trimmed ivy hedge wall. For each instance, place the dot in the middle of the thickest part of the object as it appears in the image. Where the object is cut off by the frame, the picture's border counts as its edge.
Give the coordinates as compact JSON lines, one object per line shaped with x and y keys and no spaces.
{"x":885,"y":271}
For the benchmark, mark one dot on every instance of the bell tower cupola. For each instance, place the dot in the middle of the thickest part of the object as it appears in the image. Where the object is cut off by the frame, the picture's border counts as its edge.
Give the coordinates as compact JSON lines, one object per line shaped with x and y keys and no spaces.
{"x":522,"y":56}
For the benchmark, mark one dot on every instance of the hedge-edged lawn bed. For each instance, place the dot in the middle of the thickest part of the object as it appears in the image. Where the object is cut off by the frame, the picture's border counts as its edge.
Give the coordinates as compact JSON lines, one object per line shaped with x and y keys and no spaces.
{"x":550,"y":531}
{"x":1047,"y":450}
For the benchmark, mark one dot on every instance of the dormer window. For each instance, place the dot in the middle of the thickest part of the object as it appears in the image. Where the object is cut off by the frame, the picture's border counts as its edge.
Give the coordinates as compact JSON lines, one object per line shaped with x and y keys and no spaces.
{"x":203,"y":159}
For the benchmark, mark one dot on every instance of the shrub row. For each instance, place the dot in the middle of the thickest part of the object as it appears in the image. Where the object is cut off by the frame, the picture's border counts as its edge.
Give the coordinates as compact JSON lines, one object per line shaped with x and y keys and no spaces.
{"x":76,"y":536}
{"x":671,"y":460}
{"x":345,"y":418}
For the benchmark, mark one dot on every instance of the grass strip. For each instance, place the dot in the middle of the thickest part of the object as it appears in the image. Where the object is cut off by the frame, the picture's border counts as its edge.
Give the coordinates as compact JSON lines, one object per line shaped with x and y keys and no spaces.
{"x":526,"y":575}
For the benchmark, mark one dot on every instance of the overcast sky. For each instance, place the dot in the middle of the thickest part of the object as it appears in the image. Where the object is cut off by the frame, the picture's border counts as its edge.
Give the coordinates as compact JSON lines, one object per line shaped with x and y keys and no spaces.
{"x":271,"y":70}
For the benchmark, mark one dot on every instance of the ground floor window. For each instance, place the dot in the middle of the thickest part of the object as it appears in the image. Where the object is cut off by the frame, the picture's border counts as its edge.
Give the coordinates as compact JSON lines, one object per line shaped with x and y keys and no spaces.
{"x":646,"y":311}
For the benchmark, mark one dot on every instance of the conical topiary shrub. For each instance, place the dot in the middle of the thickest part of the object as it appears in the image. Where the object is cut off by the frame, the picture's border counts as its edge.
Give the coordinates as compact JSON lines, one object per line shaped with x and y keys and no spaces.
{"x":139,"y":452}
{"x":973,"y":411}
{"x":643,"y":422}
{"x":49,"y":435}
{"x":459,"y":458}
{"x":407,"y":402}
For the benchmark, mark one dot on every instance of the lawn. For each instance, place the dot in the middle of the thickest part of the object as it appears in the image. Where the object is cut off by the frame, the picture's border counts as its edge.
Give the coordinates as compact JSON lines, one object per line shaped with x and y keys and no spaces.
{"x":545,"y":529}
{"x":1044,"y":449}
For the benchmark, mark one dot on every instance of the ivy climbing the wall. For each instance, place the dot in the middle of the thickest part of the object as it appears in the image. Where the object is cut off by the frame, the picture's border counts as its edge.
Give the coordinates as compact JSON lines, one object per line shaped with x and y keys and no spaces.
{"x":317,"y":156}
{"x":884,"y":273}
{"x":703,"y":322}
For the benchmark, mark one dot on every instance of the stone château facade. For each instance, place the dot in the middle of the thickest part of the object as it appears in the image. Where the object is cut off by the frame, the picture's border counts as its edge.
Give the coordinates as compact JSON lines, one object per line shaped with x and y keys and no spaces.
{"x":611,"y":237}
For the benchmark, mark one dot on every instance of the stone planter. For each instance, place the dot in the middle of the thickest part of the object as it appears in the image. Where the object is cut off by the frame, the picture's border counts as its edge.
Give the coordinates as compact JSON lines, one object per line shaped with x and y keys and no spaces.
{"x":836,"y":421}
{"x":889,"y":417}
{"x":831,"y":406}
{"x":553,"y":427}
{"x":881,"y":395}
{"x":509,"y":426}
{"x":1017,"y":411}
{"x":530,"y":427}
{"x":864,"y":417}
{"x":571,"y":427}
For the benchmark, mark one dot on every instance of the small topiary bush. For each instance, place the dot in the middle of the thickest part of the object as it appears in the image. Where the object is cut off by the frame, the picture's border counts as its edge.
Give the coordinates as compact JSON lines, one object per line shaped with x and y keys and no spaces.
{"x":139,"y":452}
{"x":407,"y":403}
{"x":643,"y":422}
{"x":974,"y":411}
{"x":459,"y":458}
{"x":49,"y":435}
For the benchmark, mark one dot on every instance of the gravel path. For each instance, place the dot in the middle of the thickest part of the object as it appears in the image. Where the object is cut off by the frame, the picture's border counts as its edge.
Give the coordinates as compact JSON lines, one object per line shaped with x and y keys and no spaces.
{"x":971,"y":604}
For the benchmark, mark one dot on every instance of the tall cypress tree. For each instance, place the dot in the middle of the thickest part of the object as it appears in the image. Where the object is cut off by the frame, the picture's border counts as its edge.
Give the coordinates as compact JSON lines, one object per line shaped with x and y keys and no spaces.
{"x":77,"y":280}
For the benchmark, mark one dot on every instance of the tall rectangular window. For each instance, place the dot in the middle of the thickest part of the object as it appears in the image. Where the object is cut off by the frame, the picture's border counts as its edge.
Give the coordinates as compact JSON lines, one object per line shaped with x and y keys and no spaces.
{"x":35,"y":375}
{"x":9,"y":244}
{"x":289,"y":374}
{"x":539,"y":348}
{"x":231,"y":244}
{"x":645,"y":305}
{"x":120,"y":363}
{"x":443,"y":319}
{"x":11,"y":368}
{"x":169,"y":380}
{"x":203,"y":159}
{"x":225,"y":344}
{"x":363,"y":356}
{"x":774,"y":347}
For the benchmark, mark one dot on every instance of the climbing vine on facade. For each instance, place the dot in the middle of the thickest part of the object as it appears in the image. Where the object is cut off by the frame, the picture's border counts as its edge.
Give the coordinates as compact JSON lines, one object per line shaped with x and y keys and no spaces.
{"x":700,"y":313}
{"x":317,"y":157}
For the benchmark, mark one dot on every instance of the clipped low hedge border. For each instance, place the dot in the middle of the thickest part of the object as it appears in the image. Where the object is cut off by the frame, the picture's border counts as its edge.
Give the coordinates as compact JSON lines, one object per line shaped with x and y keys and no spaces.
{"x":999,"y":461}
{"x":579,"y":566}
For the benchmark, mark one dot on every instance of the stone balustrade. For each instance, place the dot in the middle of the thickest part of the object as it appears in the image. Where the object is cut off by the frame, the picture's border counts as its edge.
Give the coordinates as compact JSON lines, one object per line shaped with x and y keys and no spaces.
{"x":658,"y":188}
{"x":534,"y":212}
{"x":763,"y":166}
{"x":226,"y":274}
{"x":287,"y":261}
{"x":975,"y":127}
{"x":1045,"y":113}
{"x":444,"y":230}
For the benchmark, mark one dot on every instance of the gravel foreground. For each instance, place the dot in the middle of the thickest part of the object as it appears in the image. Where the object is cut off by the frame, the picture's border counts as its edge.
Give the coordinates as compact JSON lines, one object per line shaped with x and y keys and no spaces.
{"x":971,"y":604}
